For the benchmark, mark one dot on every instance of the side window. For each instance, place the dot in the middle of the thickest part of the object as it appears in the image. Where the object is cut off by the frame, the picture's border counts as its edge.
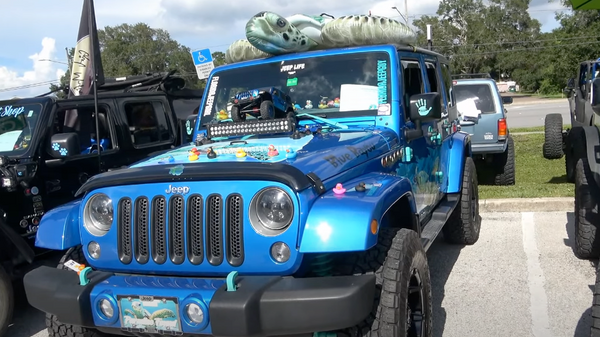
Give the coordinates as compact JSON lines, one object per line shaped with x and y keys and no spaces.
{"x":82,"y":122}
{"x":412,"y":81}
{"x":147,"y":123}
{"x":434,"y":81}
{"x":447,"y":77}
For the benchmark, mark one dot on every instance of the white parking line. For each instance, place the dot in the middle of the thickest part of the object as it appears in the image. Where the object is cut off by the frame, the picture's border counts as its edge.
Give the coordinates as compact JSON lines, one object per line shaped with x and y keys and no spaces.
{"x":538,"y":308}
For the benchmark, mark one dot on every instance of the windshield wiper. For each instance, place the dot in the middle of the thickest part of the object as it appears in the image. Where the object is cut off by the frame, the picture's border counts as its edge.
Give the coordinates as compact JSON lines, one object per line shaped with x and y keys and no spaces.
{"x":323,"y":120}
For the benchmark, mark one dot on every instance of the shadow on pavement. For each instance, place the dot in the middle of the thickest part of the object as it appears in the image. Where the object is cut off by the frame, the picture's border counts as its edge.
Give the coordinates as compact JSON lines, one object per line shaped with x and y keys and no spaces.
{"x":559,"y":180}
{"x":27,"y":321}
{"x":441,"y":257}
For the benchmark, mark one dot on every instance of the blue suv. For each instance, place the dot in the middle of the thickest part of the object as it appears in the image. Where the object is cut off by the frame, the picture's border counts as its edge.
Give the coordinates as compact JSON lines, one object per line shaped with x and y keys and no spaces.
{"x":315,"y":222}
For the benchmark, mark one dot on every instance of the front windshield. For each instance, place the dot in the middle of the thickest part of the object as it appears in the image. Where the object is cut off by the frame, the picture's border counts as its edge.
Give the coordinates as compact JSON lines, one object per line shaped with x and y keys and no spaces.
{"x":478,"y":94}
{"x":341,"y":85}
{"x":17,"y":122}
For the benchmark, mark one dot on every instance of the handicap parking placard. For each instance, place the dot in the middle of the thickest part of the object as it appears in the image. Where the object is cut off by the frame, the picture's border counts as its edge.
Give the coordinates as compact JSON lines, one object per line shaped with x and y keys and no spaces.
{"x":203,"y":61}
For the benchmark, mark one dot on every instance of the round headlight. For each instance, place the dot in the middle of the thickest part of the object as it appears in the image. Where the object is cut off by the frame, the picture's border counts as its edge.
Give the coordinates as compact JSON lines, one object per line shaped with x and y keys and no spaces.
{"x":98,"y":214}
{"x":271,"y":211}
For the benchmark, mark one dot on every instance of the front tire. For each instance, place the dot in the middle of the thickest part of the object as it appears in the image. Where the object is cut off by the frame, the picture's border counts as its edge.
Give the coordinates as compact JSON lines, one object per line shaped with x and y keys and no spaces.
{"x":404,"y":307}
{"x":587,"y":197}
{"x":55,"y":327}
{"x":552,"y":148}
{"x":237,"y":115}
{"x":267,"y":110}
{"x":464,"y":223}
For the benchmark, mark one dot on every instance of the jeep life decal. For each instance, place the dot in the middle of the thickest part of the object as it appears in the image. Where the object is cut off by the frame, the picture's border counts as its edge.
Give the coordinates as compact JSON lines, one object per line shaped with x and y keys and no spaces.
{"x":210,"y":100}
{"x":382,"y":74}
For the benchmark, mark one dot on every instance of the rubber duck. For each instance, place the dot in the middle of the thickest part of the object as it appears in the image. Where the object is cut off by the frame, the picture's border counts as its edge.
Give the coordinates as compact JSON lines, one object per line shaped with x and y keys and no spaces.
{"x":308,"y":104}
{"x":330,"y":104}
{"x":221,"y":115}
{"x":361,"y":187}
{"x":339,"y":189}
{"x":322,"y":105}
{"x":290,"y":154}
{"x":272,"y":151}
{"x":240,"y":153}
{"x":336,"y":102}
{"x":210,"y":153}
{"x":193,"y":157}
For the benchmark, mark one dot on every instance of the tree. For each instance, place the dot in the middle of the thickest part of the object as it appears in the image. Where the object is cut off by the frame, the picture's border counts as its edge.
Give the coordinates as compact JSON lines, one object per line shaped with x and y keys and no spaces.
{"x":139,"y":49}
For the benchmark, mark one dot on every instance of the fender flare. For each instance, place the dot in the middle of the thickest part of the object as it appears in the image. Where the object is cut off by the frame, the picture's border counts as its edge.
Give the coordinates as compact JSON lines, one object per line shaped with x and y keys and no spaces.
{"x":592,"y":150}
{"x":59,"y":228}
{"x":350,"y":228}
{"x":458,"y":148}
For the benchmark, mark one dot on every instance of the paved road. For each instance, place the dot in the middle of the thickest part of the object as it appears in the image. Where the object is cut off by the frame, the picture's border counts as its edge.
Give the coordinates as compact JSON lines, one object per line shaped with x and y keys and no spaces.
{"x":528,"y":115}
{"x":520,"y":279}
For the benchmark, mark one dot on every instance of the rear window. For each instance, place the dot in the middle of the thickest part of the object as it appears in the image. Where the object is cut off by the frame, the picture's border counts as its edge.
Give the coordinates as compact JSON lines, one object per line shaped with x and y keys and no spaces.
{"x":480,"y":93}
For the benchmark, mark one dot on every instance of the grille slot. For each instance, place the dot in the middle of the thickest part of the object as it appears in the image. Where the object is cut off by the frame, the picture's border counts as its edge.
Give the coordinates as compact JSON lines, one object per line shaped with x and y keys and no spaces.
{"x":165,"y":229}
{"x":195,"y":229}
{"x":124,"y":229}
{"x":176,"y":229}
{"x":214,"y":224}
{"x":234,"y":230}
{"x":142,"y":210}
{"x":159,"y":230}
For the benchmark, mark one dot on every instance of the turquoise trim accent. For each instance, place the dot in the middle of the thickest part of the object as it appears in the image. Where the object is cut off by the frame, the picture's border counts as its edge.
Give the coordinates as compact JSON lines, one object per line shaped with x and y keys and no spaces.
{"x":231,"y":281}
{"x":83,"y":279}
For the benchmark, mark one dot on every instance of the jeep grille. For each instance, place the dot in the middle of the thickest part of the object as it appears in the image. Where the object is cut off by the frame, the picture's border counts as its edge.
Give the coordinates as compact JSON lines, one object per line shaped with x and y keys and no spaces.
{"x":200,"y":229}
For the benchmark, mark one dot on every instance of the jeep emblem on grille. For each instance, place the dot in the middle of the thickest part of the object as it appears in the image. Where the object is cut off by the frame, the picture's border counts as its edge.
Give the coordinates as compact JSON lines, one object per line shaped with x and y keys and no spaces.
{"x":177,"y":190}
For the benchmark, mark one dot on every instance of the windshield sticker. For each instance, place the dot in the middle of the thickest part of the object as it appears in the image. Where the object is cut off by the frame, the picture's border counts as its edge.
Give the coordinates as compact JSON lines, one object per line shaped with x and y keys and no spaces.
{"x":30,"y":113}
{"x":292,"y":82}
{"x":10,"y":111}
{"x":382,"y":81}
{"x":292,"y":67}
{"x":383,"y":110}
{"x":210,"y":100}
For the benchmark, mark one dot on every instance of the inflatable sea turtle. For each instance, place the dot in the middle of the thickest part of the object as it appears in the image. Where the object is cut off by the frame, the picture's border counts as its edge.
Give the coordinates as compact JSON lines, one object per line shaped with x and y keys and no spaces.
{"x":269,"y":34}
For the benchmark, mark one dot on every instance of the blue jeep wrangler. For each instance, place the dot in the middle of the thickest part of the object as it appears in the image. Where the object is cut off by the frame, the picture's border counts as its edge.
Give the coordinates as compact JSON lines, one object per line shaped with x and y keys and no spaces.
{"x":484,"y":118}
{"x":311,"y":223}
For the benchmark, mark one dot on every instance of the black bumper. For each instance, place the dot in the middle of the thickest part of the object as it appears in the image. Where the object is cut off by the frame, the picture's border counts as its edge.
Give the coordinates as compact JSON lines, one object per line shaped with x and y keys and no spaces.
{"x":262,"y":305}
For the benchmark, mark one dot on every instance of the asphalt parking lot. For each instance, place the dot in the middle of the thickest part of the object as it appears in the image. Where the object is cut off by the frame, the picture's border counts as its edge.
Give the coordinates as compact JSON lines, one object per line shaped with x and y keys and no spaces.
{"x":520,"y":279}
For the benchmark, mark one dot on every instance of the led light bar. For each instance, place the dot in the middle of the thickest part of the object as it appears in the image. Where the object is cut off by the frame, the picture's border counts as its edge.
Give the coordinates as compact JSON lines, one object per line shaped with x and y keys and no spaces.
{"x":251,"y":127}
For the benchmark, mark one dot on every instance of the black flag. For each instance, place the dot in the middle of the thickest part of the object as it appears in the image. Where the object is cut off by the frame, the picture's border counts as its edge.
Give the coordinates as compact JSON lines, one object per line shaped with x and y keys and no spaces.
{"x":86,"y":60}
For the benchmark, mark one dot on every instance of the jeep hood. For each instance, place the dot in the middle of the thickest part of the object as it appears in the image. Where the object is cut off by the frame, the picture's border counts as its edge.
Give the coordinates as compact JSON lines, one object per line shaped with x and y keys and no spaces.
{"x":325,"y":155}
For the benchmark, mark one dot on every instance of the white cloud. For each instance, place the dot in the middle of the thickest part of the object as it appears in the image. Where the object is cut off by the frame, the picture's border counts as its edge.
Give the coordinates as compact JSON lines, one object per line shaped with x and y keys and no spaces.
{"x":42,"y":71}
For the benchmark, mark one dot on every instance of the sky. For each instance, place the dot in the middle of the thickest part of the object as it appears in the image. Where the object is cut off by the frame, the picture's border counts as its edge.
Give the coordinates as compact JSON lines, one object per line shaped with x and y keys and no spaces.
{"x":34,"y":31}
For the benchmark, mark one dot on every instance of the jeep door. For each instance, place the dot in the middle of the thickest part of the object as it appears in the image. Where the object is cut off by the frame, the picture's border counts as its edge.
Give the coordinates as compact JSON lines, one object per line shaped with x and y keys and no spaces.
{"x":149,"y":126}
{"x":426,"y":154}
{"x":581,"y":95}
{"x":68,"y":164}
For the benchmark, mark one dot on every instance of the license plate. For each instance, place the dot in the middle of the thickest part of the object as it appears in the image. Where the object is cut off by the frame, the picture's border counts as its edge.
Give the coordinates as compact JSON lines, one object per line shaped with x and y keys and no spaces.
{"x":488,"y":137}
{"x":149,"y":314}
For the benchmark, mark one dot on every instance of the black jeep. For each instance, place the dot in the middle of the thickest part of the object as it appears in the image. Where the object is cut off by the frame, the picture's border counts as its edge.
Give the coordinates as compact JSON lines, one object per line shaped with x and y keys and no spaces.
{"x":49,"y":148}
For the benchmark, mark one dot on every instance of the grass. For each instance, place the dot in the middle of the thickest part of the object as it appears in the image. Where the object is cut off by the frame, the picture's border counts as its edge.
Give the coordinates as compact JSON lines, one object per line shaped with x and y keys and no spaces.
{"x":534,"y":129}
{"x":536,"y":177}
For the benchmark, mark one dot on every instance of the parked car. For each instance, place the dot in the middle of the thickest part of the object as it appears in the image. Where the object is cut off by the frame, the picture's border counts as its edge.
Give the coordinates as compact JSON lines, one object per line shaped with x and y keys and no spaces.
{"x":483,"y":116}
{"x":49,"y":148}
{"x":280,"y":226}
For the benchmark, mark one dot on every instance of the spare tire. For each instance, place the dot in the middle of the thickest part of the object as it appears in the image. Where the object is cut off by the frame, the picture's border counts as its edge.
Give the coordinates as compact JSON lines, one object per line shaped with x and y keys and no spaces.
{"x":553,"y":140}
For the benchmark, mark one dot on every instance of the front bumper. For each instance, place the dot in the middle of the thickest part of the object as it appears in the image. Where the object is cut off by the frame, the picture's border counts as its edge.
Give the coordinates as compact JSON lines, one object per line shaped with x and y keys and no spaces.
{"x":261,"y":305}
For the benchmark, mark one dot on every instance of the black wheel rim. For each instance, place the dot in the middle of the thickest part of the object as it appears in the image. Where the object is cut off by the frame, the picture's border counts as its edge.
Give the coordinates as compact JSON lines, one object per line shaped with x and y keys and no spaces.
{"x":415,"y":307}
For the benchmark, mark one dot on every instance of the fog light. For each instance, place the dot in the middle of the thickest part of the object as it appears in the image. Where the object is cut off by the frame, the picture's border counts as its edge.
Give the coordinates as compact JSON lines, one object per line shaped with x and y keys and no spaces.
{"x":280,"y":252}
{"x":195,"y":313}
{"x":94,"y":249}
{"x":106,"y":308}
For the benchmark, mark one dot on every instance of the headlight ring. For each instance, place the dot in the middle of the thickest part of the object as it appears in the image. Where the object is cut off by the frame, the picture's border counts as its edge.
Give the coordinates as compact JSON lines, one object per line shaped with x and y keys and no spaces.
{"x":271,"y":211}
{"x":98,"y":214}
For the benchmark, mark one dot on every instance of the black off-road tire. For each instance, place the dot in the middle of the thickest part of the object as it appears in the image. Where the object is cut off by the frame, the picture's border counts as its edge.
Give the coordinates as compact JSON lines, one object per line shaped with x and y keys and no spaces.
{"x":506,"y":165}
{"x":7,"y":301}
{"x":267,"y":110}
{"x":570,"y":164}
{"x":237,"y":115}
{"x":464,"y":224}
{"x":58,"y":329}
{"x":397,"y":260}
{"x":587,"y":197}
{"x":553,"y":147}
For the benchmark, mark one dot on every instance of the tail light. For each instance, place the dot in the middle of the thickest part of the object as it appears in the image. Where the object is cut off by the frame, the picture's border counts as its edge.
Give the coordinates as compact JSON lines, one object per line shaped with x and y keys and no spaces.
{"x":502,"y":129}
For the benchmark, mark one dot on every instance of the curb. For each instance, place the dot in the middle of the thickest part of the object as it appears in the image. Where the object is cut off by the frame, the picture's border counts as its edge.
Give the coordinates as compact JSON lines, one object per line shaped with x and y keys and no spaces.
{"x":527,"y":205}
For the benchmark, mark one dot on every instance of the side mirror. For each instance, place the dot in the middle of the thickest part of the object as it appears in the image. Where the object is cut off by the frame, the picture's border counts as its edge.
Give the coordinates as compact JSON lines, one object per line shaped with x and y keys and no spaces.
{"x":425,"y":107}
{"x":65,"y":145}
{"x":570,"y":84}
{"x":507,"y":100}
